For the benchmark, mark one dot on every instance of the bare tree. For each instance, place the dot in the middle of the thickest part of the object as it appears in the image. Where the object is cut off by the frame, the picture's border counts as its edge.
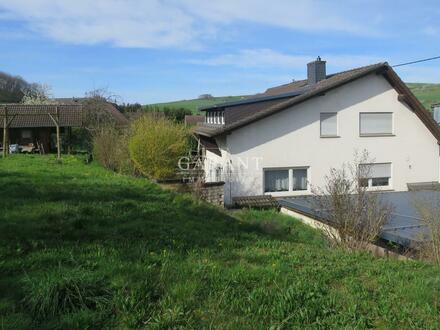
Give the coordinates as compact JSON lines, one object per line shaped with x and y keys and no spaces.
{"x":355,"y":214}
{"x":37,"y":94}
{"x":429,"y":211}
{"x":95,"y":106}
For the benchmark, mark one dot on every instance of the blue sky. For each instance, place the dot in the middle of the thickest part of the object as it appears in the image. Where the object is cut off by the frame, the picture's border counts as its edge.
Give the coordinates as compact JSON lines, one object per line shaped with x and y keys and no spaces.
{"x":152,"y":51}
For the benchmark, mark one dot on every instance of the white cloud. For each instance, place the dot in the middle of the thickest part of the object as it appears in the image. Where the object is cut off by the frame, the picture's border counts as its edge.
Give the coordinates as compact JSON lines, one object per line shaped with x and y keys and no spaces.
{"x":268,"y":58}
{"x":431,"y":31}
{"x":121,"y":23}
{"x":254,"y":58}
{"x":172,"y":23}
{"x":306,"y":15}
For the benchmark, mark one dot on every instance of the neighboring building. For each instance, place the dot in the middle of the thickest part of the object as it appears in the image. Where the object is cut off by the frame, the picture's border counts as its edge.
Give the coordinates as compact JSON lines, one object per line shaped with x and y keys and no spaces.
{"x":33,"y":125}
{"x":109,"y":109}
{"x":285,"y":140}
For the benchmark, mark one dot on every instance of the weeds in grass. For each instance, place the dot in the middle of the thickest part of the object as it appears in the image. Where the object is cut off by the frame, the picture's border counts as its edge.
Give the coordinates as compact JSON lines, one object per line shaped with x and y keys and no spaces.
{"x":62,"y":291}
{"x":85,"y":248}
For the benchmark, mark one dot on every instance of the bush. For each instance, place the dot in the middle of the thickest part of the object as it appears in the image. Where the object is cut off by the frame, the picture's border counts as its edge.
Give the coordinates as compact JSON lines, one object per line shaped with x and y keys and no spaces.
{"x":355,"y":214}
{"x":429,"y":211}
{"x":156,"y":144}
{"x":110,"y":149}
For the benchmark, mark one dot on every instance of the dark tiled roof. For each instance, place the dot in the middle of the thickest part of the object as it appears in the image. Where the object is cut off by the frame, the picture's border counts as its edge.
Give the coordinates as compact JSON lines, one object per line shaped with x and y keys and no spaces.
{"x":255,"y":112}
{"x":234,"y":114}
{"x":299,"y":90}
{"x":110,"y":108}
{"x":120,"y":119}
{"x":25,"y":115}
{"x":286,"y":88}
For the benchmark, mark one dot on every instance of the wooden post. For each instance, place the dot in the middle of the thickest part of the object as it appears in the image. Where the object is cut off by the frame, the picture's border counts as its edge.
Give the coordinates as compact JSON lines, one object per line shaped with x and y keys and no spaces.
{"x":58,"y":133}
{"x":69,"y":139}
{"x":56,"y":121}
{"x":5,"y":132}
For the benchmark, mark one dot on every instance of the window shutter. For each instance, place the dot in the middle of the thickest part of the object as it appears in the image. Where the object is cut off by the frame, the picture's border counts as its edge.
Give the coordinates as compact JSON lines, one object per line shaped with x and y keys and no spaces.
{"x":328,"y":124}
{"x":376,"y":170}
{"x":376,"y":123}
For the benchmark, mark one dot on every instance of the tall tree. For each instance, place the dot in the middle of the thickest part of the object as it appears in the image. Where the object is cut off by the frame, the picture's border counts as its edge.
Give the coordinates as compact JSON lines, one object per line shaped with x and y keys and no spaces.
{"x":12,"y":88}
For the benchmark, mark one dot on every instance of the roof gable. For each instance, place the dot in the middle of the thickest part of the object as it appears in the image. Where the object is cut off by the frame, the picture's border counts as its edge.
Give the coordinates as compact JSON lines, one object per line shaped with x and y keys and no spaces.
{"x":332,"y":82}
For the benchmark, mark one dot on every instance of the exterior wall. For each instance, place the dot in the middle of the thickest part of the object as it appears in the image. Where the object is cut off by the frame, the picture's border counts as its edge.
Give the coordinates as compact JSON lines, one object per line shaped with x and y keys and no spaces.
{"x":291,"y":138}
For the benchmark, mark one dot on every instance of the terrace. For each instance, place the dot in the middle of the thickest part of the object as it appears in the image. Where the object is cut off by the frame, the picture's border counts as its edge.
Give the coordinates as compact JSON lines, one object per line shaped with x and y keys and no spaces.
{"x":405,"y":226}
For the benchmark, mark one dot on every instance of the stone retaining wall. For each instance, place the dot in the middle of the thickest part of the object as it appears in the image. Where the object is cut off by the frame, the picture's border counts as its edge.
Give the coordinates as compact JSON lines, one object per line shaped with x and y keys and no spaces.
{"x":212,"y":192}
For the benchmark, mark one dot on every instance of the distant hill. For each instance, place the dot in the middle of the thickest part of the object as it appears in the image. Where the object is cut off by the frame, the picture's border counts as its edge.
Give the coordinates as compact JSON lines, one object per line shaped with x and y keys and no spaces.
{"x":426,"y":93}
{"x":195,"y":104}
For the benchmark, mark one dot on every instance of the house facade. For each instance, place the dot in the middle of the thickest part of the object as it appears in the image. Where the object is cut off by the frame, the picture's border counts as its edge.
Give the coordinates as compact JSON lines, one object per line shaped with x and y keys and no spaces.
{"x":284,"y":142}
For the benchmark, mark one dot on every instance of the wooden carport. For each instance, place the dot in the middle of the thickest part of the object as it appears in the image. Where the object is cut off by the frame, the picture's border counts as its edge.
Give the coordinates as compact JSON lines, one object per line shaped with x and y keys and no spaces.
{"x":39,"y":116}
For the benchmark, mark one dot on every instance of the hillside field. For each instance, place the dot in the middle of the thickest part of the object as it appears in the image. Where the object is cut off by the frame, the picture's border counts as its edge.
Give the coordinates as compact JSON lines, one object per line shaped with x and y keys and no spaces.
{"x":85,"y":248}
{"x":195,"y":104}
{"x":428,"y":94}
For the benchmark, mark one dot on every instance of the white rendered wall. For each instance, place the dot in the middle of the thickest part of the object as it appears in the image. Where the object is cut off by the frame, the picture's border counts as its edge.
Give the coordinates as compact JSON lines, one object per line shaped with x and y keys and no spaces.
{"x":291,"y":138}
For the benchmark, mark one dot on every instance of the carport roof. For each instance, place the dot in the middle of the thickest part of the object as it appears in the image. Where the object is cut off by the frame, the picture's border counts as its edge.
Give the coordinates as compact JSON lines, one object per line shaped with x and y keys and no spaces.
{"x":28,"y":116}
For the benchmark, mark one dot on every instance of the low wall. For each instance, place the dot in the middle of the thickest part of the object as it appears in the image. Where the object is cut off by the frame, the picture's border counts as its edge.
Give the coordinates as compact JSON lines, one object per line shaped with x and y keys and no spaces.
{"x":376,"y":250}
{"x":212,"y":192}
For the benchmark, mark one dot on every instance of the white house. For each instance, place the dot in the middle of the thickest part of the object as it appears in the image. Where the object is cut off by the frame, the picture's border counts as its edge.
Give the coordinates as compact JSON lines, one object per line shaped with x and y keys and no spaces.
{"x":285,"y":140}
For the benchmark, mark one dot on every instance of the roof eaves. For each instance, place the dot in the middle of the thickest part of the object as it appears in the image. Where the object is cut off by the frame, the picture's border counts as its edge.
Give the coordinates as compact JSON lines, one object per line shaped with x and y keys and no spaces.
{"x":413,"y":102}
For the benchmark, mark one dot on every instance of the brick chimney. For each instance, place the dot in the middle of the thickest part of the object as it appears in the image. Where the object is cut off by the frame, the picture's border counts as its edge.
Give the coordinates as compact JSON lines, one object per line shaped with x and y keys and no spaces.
{"x":316,"y":71}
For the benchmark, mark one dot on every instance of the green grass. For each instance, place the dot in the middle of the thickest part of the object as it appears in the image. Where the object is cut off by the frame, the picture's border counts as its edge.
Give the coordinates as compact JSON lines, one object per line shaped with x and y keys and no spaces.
{"x":84,"y":248}
{"x":195,"y":104}
{"x":428,"y":94}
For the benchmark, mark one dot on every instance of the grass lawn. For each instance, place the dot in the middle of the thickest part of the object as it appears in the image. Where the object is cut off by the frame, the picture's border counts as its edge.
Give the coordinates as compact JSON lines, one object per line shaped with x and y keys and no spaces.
{"x":81,"y":247}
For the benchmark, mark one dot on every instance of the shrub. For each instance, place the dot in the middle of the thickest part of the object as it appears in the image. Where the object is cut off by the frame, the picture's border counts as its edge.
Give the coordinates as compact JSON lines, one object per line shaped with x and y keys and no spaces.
{"x":110,"y":149}
{"x":429,"y":211}
{"x":156,"y":144}
{"x":355,"y":214}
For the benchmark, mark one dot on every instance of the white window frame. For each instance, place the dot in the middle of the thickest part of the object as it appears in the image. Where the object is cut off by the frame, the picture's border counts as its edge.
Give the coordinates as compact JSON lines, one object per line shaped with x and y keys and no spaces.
{"x":290,"y":192}
{"x":376,"y":134}
{"x":320,"y":125}
{"x":390,"y":179}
